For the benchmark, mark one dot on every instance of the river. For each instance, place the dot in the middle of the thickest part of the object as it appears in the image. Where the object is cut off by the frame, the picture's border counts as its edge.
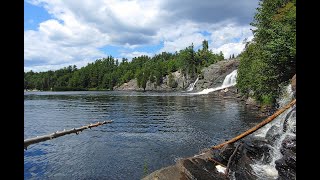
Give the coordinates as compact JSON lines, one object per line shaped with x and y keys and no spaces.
{"x":150,"y":131}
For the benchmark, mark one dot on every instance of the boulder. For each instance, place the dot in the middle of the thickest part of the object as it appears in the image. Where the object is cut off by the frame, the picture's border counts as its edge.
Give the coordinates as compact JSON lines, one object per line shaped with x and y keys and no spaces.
{"x":286,"y":166}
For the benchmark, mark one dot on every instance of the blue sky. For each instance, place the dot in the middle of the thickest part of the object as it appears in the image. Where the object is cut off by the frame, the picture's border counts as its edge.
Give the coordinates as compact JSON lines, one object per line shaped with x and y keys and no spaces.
{"x":76,"y":32}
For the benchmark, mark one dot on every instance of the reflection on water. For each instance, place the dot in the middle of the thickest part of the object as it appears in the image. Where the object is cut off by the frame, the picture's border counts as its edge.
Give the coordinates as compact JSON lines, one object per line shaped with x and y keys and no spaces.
{"x":149,"y":130}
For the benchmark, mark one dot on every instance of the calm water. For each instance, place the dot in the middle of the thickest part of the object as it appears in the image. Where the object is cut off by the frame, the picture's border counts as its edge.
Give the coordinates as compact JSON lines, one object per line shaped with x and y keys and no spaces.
{"x":150,"y":131}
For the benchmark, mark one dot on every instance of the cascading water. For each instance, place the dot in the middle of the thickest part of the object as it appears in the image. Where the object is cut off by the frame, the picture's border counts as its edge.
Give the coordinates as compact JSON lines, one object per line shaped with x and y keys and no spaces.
{"x":229,"y":80}
{"x":286,"y":127}
{"x":191,"y":86}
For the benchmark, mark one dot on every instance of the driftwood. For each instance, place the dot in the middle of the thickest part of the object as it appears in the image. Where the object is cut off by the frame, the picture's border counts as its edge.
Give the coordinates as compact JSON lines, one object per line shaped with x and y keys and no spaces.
{"x":38,"y":139}
{"x":258,"y":126}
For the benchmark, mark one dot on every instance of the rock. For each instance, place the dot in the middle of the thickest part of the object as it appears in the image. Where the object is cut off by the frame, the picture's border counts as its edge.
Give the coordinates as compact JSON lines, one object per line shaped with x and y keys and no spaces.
{"x":252,"y":102}
{"x":222,"y":155}
{"x":273,"y":134}
{"x":214,"y":74}
{"x":197,"y":168}
{"x":286,"y":166}
{"x":288,"y":144}
{"x":255,"y":149}
{"x":167,"y":173}
{"x":241,"y":165}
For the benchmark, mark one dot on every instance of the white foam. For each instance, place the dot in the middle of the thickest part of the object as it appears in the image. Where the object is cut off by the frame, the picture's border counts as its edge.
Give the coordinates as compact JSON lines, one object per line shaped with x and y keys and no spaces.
{"x":221,"y":169}
{"x":229,"y":80}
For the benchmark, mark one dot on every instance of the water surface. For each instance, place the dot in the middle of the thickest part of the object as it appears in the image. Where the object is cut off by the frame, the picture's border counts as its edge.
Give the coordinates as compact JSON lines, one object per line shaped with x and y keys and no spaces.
{"x":150,"y":131}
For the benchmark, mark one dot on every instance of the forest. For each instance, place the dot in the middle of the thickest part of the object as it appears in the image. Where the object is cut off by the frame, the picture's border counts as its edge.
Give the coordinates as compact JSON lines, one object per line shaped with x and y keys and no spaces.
{"x":106,"y":73}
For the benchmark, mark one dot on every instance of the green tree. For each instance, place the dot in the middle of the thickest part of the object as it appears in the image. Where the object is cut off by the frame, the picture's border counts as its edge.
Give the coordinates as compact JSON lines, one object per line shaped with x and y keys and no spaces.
{"x":270,"y":59}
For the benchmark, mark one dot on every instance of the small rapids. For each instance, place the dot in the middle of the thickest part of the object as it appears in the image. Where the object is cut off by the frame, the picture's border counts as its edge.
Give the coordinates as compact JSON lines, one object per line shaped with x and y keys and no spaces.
{"x":191,"y":86}
{"x":285,"y":124}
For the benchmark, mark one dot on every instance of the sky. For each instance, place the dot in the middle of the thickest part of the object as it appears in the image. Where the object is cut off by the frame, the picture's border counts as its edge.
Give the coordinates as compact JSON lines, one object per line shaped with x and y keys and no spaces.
{"x":60,"y":33}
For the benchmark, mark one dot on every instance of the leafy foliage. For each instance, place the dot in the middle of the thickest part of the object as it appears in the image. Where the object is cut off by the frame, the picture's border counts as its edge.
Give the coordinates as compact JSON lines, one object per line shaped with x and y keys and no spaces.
{"x":270,"y":59}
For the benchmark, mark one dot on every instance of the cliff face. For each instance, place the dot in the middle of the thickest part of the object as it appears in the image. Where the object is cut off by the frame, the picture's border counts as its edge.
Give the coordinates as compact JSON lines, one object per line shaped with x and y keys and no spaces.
{"x":211,"y":76}
{"x":214,"y":75}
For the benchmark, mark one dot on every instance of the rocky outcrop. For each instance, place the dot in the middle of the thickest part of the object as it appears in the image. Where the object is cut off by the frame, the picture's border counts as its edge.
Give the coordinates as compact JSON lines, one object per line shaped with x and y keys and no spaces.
{"x":211,"y":76}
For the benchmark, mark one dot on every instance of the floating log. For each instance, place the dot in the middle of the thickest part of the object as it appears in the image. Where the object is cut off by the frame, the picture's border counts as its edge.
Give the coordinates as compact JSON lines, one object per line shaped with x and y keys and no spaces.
{"x":38,"y":139}
{"x":258,"y":126}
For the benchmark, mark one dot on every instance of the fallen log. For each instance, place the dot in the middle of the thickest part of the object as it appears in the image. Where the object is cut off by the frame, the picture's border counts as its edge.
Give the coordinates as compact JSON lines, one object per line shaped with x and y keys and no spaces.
{"x":258,"y":126}
{"x":38,"y":139}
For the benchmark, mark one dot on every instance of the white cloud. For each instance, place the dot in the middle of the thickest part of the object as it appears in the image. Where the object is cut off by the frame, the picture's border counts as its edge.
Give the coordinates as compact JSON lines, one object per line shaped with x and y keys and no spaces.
{"x":80,"y":28}
{"x":231,"y":48}
{"x":229,"y":33}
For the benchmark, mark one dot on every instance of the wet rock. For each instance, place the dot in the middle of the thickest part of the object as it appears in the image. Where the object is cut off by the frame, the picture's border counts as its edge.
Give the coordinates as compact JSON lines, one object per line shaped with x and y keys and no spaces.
{"x":286,"y":166}
{"x":273,"y":134}
{"x":241,"y":166}
{"x":256,"y":149}
{"x":288,"y":144}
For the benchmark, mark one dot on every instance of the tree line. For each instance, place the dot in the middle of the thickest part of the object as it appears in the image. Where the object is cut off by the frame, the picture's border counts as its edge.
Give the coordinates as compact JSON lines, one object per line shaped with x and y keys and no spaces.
{"x":107,"y":73}
{"x":269,"y":60}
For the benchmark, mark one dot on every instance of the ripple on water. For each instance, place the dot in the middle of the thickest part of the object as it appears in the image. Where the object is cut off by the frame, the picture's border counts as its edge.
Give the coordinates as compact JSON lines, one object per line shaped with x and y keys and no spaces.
{"x":149,"y":129}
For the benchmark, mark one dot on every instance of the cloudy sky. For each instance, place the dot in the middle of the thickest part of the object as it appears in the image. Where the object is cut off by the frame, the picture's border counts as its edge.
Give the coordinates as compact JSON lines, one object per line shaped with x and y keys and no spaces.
{"x":58,"y":33}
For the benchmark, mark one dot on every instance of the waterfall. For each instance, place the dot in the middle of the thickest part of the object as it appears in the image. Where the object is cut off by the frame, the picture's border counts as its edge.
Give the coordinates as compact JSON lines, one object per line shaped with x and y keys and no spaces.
{"x":229,"y":80}
{"x":288,"y":118}
{"x":191,"y":86}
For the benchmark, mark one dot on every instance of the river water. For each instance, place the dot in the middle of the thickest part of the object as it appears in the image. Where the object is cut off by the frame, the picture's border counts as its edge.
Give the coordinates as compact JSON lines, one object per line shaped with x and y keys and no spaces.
{"x":150,"y":131}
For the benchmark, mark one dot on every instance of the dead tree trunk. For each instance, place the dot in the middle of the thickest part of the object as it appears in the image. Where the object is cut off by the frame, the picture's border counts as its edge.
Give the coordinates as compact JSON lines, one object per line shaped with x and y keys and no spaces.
{"x":38,"y":139}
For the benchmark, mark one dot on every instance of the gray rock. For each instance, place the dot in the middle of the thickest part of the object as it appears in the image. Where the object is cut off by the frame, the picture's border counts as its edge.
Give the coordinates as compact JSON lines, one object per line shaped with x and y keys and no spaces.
{"x":273,"y":134}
